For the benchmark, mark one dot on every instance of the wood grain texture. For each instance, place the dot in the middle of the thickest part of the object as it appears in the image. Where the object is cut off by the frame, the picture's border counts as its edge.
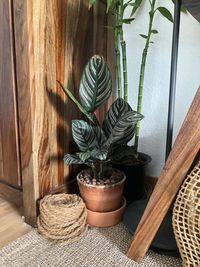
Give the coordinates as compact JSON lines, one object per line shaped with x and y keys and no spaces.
{"x":23,"y":57}
{"x":9,"y":149}
{"x":12,"y":225}
{"x":53,"y":41}
{"x":193,"y":7}
{"x":11,"y":195}
{"x":184,"y":151}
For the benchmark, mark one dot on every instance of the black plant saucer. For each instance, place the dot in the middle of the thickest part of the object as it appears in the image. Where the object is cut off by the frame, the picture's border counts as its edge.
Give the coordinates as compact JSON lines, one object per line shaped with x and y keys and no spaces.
{"x":164,"y":241}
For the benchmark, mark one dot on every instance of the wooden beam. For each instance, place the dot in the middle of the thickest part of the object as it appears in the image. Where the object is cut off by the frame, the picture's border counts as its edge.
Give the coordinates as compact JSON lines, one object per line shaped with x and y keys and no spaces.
{"x":193,"y":7}
{"x":185,"y":149}
{"x":53,"y":41}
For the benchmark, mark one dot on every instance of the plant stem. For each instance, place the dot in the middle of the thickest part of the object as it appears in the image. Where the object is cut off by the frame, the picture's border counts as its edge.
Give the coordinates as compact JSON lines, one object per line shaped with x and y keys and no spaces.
{"x":142,"y":69}
{"x":123,"y":49}
{"x":117,"y":53}
{"x":94,"y":170}
{"x":101,"y":171}
{"x":70,"y":95}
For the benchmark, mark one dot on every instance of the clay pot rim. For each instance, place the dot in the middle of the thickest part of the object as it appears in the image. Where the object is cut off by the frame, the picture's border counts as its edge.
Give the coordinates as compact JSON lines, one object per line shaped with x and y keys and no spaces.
{"x":110,"y":212}
{"x":103,"y":186}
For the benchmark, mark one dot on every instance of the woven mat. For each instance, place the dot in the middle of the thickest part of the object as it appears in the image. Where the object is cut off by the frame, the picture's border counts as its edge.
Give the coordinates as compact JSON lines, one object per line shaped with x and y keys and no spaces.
{"x":98,"y":248}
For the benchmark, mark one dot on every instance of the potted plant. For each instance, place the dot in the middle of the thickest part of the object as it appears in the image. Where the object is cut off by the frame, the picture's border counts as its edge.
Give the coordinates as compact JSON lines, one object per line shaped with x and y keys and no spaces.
{"x":100,"y":185}
{"x":129,"y":159}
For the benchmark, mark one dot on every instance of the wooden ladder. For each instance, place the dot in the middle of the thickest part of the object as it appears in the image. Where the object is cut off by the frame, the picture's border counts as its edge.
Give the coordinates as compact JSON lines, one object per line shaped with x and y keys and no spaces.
{"x":185,"y":149}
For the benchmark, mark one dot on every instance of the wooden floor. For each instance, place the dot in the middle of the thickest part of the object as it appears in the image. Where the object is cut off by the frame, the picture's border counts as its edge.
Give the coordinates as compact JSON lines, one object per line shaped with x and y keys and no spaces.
{"x":12,"y":225}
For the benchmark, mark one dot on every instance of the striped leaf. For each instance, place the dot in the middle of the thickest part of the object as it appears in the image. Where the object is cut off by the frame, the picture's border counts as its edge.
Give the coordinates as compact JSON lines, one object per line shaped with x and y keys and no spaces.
{"x":100,"y":154}
{"x":96,"y":84}
{"x":120,"y":121}
{"x":70,"y":159}
{"x":84,"y":156}
{"x":87,"y":137}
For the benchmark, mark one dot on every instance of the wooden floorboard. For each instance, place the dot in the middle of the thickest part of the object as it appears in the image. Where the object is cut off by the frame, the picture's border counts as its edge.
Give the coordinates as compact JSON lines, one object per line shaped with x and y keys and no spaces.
{"x":12,"y":225}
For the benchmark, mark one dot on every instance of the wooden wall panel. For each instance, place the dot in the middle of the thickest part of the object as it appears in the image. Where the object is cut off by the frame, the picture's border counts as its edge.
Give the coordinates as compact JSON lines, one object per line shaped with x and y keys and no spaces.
{"x":54,"y":40}
{"x":25,"y":80}
{"x":9,"y":149}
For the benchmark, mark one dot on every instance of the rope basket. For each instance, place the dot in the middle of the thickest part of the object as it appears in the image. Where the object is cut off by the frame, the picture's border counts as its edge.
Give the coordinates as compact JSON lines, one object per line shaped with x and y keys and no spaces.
{"x":186,"y":219}
{"x":62,"y":217}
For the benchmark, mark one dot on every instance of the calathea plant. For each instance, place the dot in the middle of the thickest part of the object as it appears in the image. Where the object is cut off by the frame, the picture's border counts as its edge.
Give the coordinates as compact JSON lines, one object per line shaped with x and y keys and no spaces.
{"x":95,"y":141}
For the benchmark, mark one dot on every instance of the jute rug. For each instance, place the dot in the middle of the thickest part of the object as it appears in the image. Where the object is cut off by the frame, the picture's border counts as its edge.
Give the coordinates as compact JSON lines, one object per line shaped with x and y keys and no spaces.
{"x":98,"y":248}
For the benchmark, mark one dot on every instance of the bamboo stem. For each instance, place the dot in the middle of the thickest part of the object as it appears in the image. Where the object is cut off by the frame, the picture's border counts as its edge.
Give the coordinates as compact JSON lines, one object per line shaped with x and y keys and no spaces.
{"x":123,"y":50}
{"x":117,"y":53}
{"x":142,"y":70}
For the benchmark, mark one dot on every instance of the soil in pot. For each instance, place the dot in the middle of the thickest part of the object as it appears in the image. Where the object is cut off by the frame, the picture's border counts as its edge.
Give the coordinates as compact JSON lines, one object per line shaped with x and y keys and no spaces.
{"x":135,"y":173}
{"x":104,"y":194}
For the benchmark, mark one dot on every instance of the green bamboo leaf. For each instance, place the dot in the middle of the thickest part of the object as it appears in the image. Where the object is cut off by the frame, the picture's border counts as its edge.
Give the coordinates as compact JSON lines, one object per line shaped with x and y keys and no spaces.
{"x":70,"y":159}
{"x":120,"y":122}
{"x":128,"y":21}
{"x":91,"y":3}
{"x":136,"y":5}
{"x":166,"y":13}
{"x":154,"y":31}
{"x":144,"y":36}
{"x":96,"y":84}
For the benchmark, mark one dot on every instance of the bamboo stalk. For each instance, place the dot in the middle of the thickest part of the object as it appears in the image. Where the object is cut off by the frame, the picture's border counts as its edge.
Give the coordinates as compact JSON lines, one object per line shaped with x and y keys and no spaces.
{"x":123,"y":50}
{"x":117,"y":53}
{"x":142,"y":70}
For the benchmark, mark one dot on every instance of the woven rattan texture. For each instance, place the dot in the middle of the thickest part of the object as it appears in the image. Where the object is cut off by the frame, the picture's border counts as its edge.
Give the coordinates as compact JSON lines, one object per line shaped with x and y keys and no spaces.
{"x":98,"y":248}
{"x":186,"y":219}
{"x":62,"y":217}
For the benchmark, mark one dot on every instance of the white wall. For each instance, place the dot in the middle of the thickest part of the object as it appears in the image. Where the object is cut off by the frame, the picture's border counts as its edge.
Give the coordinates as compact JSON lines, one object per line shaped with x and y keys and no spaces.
{"x":156,"y":85}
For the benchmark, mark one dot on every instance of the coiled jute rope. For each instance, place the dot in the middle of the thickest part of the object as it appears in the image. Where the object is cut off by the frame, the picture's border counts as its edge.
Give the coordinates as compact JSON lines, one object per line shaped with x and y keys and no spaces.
{"x":62,"y":217}
{"x":186,"y":218}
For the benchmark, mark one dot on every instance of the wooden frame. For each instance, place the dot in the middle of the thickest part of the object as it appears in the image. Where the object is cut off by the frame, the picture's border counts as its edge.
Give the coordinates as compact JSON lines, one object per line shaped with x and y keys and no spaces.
{"x":185,"y":150}
{"x":53,"y":40}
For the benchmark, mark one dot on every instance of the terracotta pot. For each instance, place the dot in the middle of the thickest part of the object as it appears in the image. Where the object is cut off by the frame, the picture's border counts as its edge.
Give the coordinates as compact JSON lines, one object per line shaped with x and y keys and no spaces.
{"x":102,"y":198}
{"x":106,"y":219}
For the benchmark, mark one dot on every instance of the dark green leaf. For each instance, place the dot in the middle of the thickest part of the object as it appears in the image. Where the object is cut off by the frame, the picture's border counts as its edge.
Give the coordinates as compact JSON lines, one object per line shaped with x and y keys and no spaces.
{"x":83,"y":135}
{"x":144,"y":36}
{"x":87,"y":137}
{"x":128,"y":21}
{"x":70,"y":159}
{"x":166,"y":13}
{"x":154,"y":31}
{"x":84,"y":155}
{"x":119,"y":122}
{"x":96,"y":84}
{"x":100,"y":154}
